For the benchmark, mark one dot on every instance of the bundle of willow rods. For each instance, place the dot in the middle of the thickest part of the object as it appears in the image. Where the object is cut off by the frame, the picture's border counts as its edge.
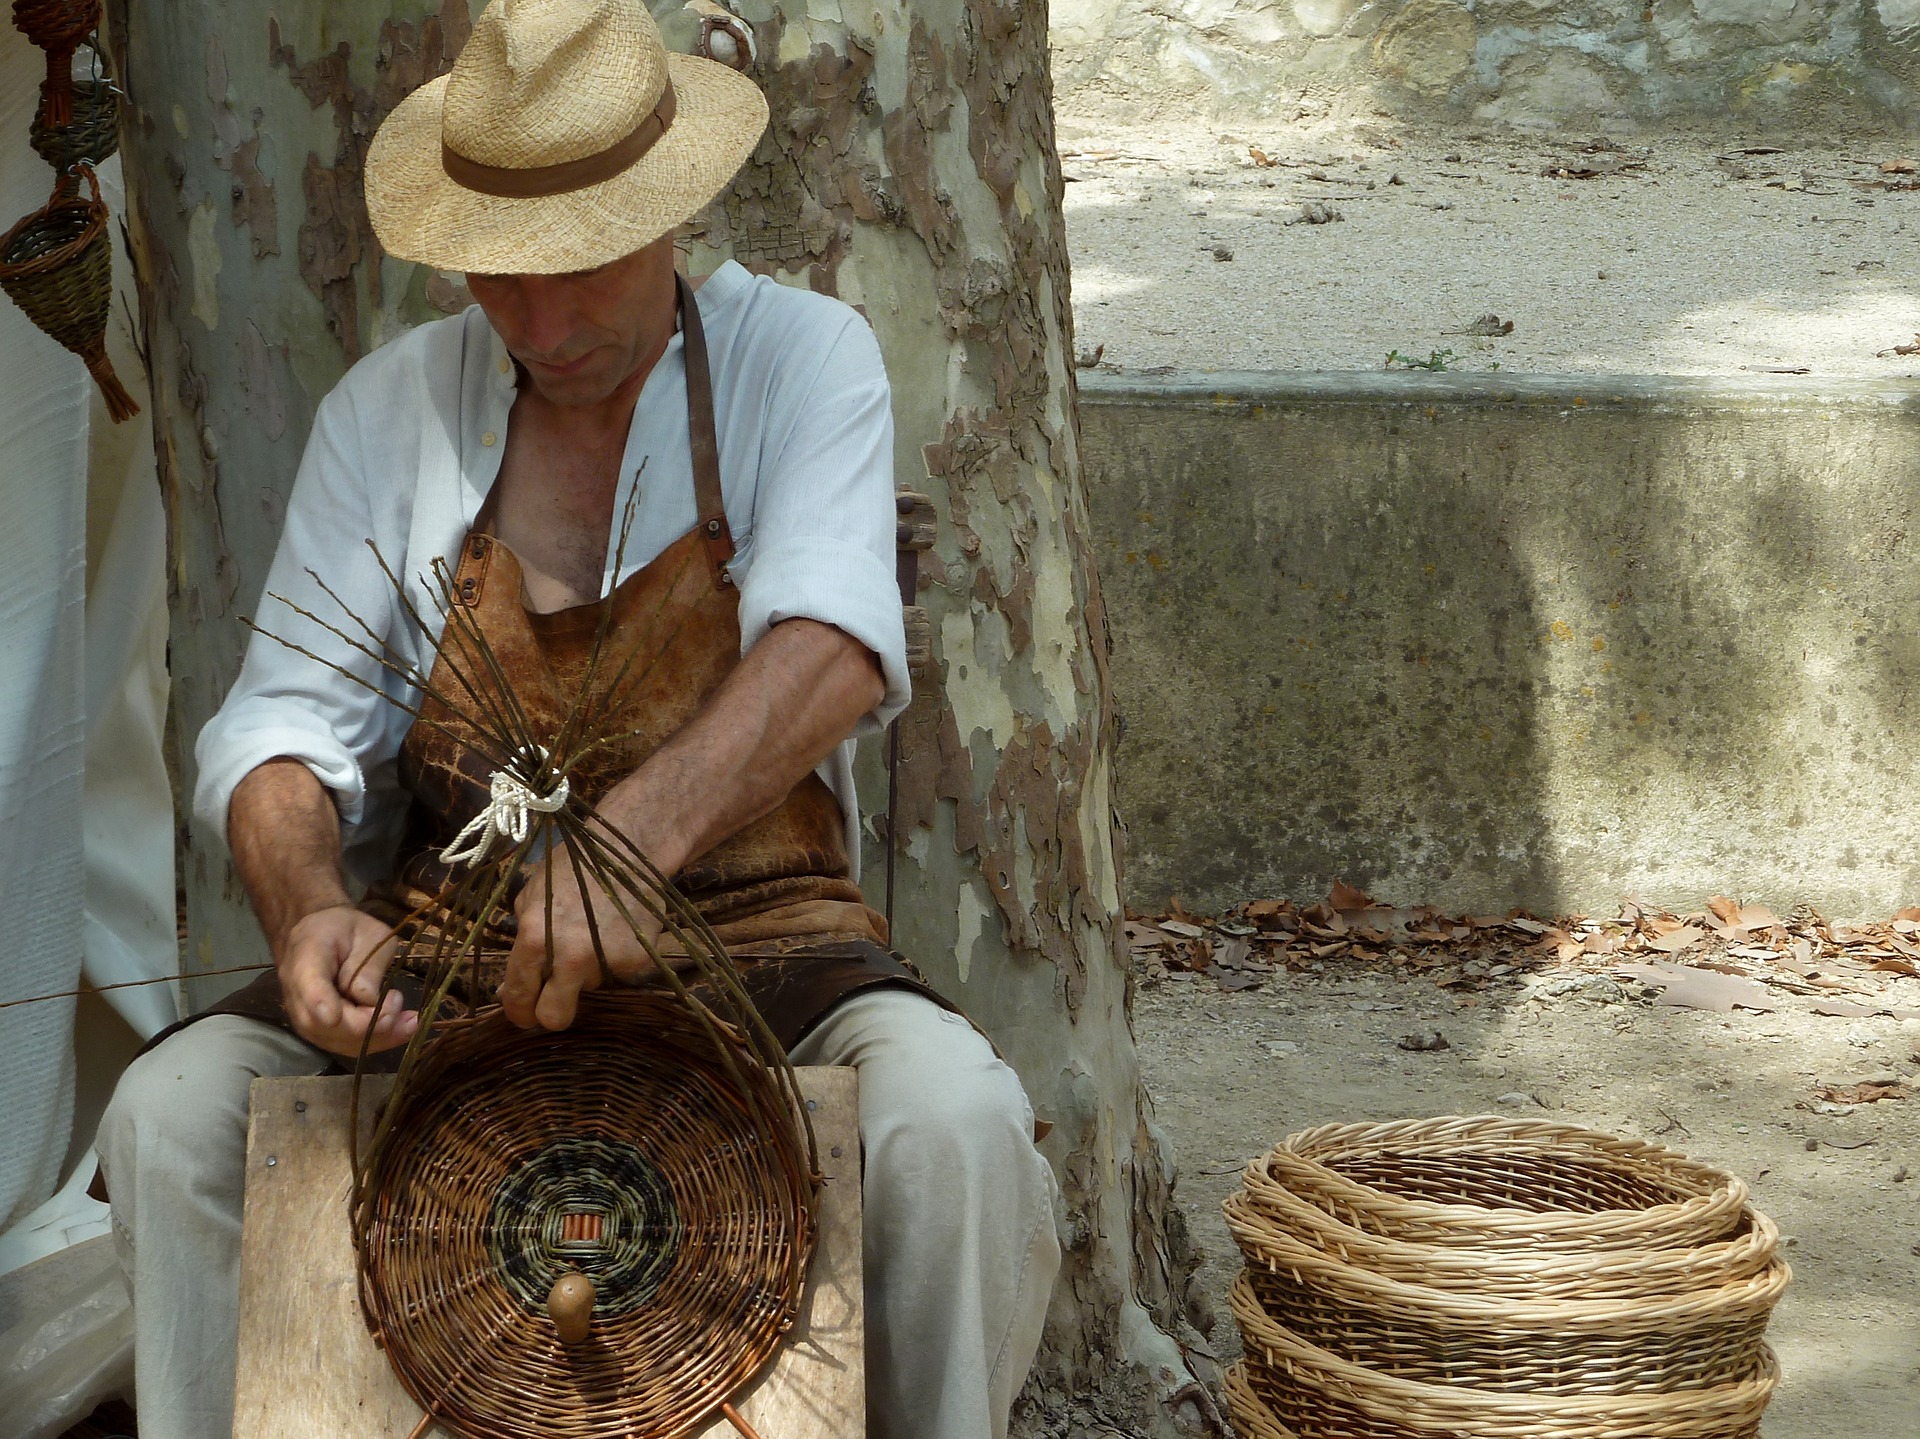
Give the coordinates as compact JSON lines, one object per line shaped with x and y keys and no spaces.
{"x":1447,"y":1278}
{"x":657,"y":1154}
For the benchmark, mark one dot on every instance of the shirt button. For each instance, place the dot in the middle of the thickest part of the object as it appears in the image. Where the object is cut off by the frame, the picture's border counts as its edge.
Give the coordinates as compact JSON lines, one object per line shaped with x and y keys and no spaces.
{"x":487,"y":438}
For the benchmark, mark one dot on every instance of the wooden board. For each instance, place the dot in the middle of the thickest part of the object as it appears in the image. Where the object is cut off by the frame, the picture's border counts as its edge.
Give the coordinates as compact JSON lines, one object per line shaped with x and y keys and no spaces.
{"x":309,"y":1369}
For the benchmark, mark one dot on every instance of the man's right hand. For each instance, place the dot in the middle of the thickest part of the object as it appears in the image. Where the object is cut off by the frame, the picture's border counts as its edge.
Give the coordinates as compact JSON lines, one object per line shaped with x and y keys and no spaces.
{"x":331,"y":964}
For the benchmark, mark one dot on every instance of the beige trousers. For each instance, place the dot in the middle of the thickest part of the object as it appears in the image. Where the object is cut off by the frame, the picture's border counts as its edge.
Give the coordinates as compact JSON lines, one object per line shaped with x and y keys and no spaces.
{"x":960,"y":1214}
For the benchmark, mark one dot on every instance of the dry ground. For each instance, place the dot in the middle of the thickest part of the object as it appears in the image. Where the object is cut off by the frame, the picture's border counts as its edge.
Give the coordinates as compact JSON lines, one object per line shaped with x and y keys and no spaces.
{"x":1685,"y":256}
{"x":1233,"y":1073}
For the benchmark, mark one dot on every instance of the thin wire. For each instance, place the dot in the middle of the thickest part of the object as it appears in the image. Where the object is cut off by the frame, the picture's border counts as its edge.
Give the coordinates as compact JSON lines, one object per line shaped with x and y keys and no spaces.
{"x":134,"y":984}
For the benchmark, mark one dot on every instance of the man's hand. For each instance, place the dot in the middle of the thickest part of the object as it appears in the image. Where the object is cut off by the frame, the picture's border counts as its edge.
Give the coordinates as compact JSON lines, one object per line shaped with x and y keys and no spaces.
{"x":331,"y":964}
{"x":789,"y":702}
{"x":548,"y":969}
{"x":285,"y":836}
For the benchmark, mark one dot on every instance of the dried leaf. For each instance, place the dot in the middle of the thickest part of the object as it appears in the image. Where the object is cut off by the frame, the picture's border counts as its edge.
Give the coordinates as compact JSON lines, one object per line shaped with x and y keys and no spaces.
{"x":1690,"y":988}
{"x":1867,"y":1093}
{"x":1182,"y":928}
{"x":1675,"y":940}
{"x":1345,"y":896}
{"x":1233,"y":983}
{"x":1727,"y":911}
{"x":1841,"y":1008}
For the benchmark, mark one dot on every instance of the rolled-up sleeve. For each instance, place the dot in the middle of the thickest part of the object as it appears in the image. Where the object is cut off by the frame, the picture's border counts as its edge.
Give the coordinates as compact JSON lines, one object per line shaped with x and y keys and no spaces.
{"x":823,"y":526}
{"x":326,"y":708}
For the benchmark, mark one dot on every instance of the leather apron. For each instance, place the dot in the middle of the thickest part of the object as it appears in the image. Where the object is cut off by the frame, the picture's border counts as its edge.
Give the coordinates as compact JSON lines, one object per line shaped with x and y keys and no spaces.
{"x":779,"y":894}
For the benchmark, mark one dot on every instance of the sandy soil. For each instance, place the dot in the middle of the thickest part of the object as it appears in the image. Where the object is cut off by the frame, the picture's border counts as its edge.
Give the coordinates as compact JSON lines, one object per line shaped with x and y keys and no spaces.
{"x":1233,"y":1073}
{"x":1678,"y":262}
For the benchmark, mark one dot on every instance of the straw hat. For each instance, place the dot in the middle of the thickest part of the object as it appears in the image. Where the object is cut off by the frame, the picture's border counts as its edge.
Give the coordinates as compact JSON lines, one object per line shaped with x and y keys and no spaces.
{"x":557,"y":142}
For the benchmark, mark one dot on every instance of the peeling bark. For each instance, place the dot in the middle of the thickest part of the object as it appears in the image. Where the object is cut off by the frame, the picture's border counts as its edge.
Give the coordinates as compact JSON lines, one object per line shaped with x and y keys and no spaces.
{"x":911,"y":158}
{"x":910,"y":170}
{"x":252,"y":308}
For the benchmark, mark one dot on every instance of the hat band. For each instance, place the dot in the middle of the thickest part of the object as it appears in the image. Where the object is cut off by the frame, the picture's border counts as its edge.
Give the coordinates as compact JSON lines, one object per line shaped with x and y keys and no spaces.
{"x":535,"y":181}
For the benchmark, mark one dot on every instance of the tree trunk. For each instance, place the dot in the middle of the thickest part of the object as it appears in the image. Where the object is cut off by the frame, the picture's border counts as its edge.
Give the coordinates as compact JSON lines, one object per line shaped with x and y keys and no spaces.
{"x":910,"y":169}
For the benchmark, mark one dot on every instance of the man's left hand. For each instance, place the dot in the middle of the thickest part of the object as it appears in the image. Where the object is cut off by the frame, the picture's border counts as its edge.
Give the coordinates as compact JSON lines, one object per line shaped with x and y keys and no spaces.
{"x":549,"y":967}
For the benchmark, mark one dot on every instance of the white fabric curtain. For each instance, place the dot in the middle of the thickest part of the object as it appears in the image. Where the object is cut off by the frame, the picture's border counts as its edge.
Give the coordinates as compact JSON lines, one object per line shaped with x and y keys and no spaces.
{"x":86,"y":813}
{"x":43,"y":473}
{"x":86,"y":810}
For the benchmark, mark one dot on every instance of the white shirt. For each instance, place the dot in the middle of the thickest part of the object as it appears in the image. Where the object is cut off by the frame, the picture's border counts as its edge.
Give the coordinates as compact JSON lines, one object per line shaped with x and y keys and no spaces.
{"x":405,"y":448}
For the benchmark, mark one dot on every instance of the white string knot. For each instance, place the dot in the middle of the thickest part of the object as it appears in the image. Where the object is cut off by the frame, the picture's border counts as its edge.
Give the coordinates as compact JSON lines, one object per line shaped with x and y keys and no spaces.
{"x":507,"y":814}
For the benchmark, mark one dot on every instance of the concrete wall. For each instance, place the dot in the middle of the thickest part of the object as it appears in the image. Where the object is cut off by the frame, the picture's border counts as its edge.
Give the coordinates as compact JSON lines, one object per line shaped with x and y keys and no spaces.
{"x":1486,"y":642}
{"x":1531,"y":63}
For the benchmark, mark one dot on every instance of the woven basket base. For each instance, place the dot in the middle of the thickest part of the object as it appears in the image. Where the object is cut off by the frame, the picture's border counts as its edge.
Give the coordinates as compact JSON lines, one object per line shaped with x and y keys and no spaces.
{"x":622,"y":1149}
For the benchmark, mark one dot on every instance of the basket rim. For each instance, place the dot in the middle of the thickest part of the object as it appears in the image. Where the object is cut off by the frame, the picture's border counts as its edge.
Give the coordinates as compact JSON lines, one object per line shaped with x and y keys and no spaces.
{"x":53,"y":259}
{"x":1456,"y":1404}
{"x":1304,"y":1155}
{"x":1314,"y":1270}
{"x":1260,"y":1232}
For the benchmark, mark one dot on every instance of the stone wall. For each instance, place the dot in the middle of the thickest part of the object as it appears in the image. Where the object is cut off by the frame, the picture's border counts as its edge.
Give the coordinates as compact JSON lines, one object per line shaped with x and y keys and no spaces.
{"x":1528,"y":63}
{"x":1484,"y":642}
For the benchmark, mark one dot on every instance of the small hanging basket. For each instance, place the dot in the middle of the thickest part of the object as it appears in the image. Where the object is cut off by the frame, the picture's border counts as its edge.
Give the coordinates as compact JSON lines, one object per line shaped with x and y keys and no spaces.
{"x":57,"y":265}
{"x":59,"y":27}
{"x":89,"y":137}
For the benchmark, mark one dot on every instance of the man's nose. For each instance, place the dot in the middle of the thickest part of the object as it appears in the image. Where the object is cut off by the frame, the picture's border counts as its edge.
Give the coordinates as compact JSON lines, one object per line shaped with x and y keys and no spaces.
{"x":546,"y":313}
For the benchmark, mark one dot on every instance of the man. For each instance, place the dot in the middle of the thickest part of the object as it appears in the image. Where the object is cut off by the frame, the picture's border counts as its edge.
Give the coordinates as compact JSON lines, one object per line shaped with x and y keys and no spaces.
{"x":747,"y":431}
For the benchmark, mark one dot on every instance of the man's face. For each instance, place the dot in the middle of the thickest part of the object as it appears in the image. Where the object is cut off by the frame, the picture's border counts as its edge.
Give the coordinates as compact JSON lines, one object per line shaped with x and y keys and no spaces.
{"x":582,"y":336}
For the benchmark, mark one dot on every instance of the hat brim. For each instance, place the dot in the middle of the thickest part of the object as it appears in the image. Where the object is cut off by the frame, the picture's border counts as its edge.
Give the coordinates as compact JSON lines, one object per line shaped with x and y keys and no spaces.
{"x":422,"y":214}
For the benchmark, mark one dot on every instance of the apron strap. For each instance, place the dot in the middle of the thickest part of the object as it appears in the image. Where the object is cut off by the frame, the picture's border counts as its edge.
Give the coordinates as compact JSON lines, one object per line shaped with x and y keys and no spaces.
{"x":701,"y":437}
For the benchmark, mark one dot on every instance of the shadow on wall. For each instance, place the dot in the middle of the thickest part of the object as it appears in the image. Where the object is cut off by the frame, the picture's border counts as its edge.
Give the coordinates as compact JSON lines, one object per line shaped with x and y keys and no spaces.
{"x":1506,"y":61}
{"x":1489,"y":644}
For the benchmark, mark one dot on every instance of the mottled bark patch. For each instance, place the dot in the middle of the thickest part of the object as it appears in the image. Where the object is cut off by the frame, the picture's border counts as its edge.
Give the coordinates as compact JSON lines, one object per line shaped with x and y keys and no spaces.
{"x":336,"y":236}
{"x":236,"y":149}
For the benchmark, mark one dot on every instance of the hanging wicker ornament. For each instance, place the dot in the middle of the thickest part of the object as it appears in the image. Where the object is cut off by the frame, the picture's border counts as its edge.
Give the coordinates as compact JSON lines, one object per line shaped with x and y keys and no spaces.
{"x":59,"y":27}
{"x":57,"y":265}
{"x":590,"y":1234}
{"x":90,"y":136}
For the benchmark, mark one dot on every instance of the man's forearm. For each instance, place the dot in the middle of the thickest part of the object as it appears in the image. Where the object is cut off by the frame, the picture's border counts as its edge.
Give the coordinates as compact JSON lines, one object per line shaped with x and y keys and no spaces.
{"x":285,"y":837}
{"x":794,"y":697}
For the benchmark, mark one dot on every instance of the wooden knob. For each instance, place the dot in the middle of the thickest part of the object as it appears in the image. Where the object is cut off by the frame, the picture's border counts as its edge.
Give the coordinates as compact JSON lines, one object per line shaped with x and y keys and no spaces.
{"x":570,"y":1307}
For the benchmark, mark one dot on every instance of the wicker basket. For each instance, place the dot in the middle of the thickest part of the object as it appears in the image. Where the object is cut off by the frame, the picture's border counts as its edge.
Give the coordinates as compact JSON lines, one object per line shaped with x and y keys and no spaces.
{"x":1251,"y":1417}
{"x":629,"y":1150}
{"x":89,"y":137}
{"x":1490,"y":1183}
{"x":57,"y":266}
{"x":1482,"y":1278}
{"x":59,"y":27}
{"x":1272,"y":1224}
{"x":1314,"y":1393}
